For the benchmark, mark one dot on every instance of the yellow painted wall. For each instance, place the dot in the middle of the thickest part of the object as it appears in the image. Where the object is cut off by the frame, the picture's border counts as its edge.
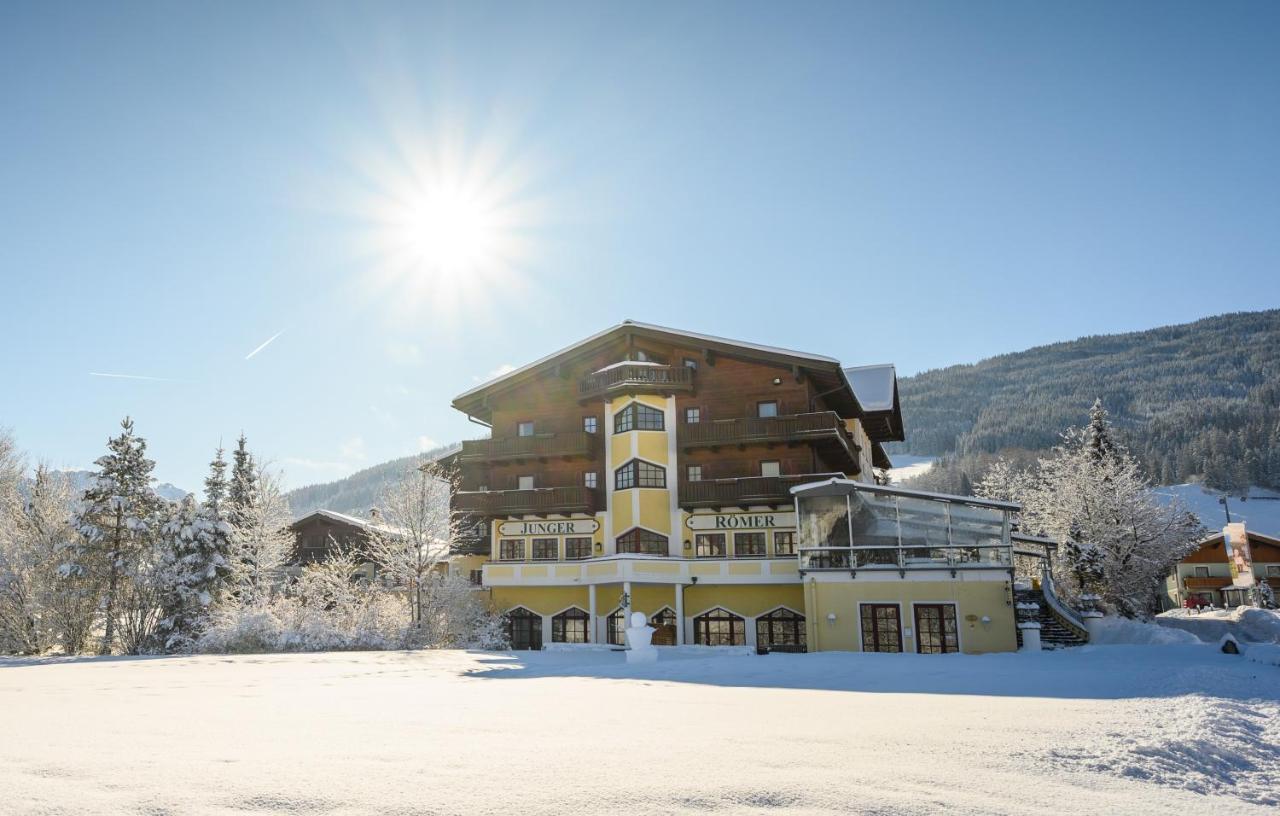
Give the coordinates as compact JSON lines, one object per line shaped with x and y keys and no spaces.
{"x":651,"y":445}
{"x":978,"y":598}
{"x":655,"y":510}
{"x":745,"y":599}
{"x":542,"y":600}
{"x":623,"y":519}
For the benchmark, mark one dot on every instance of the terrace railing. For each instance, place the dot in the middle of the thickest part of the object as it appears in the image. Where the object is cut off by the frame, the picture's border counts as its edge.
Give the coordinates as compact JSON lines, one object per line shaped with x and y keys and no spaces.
{"x":541,"y":500}
{"x":637,"y":377}
{"x":538,"y":446}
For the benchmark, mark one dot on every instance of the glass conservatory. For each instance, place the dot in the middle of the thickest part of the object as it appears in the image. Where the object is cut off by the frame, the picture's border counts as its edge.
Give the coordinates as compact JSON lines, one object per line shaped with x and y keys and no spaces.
{"x":850,"y":526}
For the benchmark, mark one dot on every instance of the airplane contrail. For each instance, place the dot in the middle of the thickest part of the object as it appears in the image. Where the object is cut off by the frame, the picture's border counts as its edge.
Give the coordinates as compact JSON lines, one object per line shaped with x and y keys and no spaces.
{"x":270,"y":340}
{"x":131,"y":377}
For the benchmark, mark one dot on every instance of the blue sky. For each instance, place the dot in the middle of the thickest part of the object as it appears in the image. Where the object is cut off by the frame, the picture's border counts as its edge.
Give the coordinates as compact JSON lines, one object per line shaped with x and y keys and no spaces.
{"x":924,"y":184}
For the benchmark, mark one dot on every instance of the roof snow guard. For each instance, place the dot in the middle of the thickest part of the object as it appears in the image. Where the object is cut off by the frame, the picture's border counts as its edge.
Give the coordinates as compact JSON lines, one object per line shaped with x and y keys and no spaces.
{"x":877,"y":390}
{"x":826,"y":372}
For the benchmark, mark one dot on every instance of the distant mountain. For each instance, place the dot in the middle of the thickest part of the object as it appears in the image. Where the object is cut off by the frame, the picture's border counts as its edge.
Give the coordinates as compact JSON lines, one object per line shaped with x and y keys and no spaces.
{"x":1196,"y":402}
{"x":79,"y":481}
{"x":358,"y":492}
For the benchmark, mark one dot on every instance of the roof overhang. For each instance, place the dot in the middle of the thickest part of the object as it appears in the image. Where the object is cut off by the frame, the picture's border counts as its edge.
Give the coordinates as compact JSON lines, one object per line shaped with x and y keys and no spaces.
{"x":826,"y":372}
{"x":877,"y":390}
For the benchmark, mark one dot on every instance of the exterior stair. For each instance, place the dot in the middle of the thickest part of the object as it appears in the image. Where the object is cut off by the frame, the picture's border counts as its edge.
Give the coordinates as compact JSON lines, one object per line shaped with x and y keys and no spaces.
{"x":1054,"y":632}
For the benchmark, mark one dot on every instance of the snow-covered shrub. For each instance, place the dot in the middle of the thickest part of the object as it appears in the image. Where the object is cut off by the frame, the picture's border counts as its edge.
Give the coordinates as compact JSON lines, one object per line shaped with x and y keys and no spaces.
{"x":242,"y":630}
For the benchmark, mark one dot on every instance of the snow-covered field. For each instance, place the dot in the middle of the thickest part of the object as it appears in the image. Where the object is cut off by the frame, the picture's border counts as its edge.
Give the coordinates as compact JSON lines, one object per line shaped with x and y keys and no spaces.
{"x":1104,"y":729}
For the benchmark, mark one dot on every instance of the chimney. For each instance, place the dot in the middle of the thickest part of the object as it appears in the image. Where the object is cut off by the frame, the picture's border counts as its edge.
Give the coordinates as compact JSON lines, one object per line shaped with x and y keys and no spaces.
{"x":373,"y":513}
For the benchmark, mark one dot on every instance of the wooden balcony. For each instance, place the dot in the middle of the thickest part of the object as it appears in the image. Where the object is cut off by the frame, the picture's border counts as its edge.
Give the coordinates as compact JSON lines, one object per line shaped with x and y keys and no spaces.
{"x":716,"y":493}
{"x":822,"y":427}
{"x":645,"y":377}
{"x":538,"y":501}
{"x":538,"y":446}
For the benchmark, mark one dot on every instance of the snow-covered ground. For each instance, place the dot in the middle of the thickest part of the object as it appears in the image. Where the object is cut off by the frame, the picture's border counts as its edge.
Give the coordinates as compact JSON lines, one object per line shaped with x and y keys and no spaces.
{"x":1260,"y":513}
{"x":906,"y":466}
{"x":1103,"y":729}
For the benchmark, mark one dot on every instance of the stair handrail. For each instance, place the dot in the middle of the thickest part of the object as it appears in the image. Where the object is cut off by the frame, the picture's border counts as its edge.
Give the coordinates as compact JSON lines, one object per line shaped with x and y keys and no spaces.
{"x":1065,"y":614}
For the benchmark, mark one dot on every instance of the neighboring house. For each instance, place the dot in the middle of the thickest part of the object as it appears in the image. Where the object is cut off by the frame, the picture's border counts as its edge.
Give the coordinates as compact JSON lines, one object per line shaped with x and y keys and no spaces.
{"x":321,"y":533}
{"x":1206,"y":575}
{"x":725,"y":489}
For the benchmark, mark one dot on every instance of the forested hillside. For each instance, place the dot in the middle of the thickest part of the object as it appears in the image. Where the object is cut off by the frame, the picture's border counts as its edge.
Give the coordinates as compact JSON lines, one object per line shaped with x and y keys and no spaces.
{"x":358,"y":492}
{"x":1198,"y":400}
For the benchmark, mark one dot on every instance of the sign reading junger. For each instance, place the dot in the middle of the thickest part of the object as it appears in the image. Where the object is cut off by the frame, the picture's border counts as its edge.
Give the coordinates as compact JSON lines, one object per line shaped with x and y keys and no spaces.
{"x":740,"y":521}
{"x":549,"y":528}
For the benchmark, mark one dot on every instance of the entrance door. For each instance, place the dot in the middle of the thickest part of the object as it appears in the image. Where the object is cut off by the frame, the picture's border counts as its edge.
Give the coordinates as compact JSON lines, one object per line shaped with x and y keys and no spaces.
{"x":881,"y":628}
{"x":524,"y":629}
{"x":936,"y":631}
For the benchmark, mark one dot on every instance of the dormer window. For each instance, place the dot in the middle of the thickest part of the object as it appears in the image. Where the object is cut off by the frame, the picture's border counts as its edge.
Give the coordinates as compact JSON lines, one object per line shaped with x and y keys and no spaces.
{"x":638,"y":417}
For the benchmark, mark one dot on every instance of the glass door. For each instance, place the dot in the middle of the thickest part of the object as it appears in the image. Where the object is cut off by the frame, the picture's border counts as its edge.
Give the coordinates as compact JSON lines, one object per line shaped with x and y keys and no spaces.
{"x":936,"y":631}
{"x":881,"y":628}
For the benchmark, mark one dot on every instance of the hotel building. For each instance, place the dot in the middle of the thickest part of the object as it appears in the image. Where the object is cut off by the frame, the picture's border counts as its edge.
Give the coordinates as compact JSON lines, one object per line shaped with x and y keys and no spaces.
{"x":726,"y":490}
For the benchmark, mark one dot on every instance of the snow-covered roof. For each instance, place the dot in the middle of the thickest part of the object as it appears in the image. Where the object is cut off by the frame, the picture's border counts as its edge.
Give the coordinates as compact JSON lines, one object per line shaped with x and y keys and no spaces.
{"x":838,"y":486}
{"x":701,"y":338}
{"x":873,"y":385}
{"x":343,"y":518}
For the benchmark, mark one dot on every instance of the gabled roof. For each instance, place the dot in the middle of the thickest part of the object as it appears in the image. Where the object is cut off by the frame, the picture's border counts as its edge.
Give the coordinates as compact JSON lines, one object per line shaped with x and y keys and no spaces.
{"x":350,"y":521}
{"x":826,"y":371}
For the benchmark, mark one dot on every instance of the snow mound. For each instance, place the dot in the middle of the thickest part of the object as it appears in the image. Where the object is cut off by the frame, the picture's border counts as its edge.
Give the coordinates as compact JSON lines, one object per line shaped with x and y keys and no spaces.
{"x":1200,"y":744}
{"x":1113,"y":631}
{"x":1246,"y":623}
{"x":1267,"y":654}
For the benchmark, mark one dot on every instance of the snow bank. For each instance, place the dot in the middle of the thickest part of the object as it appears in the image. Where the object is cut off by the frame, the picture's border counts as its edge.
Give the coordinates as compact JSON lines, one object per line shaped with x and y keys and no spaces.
{"x":1265,"y":653}
{"x":1112,"y":631}
{"x":1246,"y":623}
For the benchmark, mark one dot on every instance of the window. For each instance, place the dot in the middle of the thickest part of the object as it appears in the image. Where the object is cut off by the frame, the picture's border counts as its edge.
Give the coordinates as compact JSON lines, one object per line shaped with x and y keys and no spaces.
{"x":590,"y":479}
{"x":577,"y":548}
{"x":692,"y":416}
{"x":881,"y":628}
{"x":780,"y":628}
{"x":615,"y":628}
{"x":689,"y":362}
{"x":511,"y":549}
{"x":693,"y":473}
{"x":546,"y":549}
{"x":784,"y":543}
{"x":476,"y":577}
{"x":642,"y":542}
{"x":570,"y":626}
{"x":719,"y":627}
{"x":524,"y":428}
{"x":770,"y":468}
{"x":524,"y":482}
{"x":637,"y":417}
{"x":664,"y":624}
{"x":936,"y":631}
{"x":767,"y":409}
{"x":1202,"y":572}
{"x":748,"y":545}
{"x":589,"y":424}
{"x":710,"y":545}
{"x":1273,"y":570}
{"x":639,"y":473}
{"x":524,"y":629}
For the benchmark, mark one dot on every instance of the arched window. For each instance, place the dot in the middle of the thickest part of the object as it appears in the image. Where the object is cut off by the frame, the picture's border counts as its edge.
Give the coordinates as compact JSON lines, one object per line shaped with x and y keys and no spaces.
{"x":664,"y":624}
{"x":780,"y":628}
{"x":719,"y":627}
{"x":615,"y":627}
{"x":570,"y":626}
{"x":643,"y":542}
{"x":524,"y":629}
{"x":639,"y":473}
{"x":637,"y":417}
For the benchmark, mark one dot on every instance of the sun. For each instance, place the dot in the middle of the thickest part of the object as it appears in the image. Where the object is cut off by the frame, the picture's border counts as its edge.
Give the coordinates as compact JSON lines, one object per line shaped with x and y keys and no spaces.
{"x":448,"y":231}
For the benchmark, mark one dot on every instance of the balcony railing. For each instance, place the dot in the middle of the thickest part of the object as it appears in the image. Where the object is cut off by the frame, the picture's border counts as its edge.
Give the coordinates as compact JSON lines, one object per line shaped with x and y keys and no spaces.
{"x":821,"y":426}
{"x":637,"y":377}
{"x":905,"y":557}
{"x":538,"y":446}
{"x":536,"y":501}
{"x":745,"y":491}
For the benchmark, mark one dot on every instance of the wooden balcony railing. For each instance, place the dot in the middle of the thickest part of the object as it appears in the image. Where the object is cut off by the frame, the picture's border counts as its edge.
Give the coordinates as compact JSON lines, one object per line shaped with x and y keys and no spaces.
{"x":539,"y":500}
{"x":637,"y":377}
{"x":818,"y":426}
{"x":745,"y":491}
{"x":538,"y":446}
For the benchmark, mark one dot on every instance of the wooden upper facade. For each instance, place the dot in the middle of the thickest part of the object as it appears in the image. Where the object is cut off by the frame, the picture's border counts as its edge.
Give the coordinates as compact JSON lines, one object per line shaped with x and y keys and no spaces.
{"x":728,"y":424}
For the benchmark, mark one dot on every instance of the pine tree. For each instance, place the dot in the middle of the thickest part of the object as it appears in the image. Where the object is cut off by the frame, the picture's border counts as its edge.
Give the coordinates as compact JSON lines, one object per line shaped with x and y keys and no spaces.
{"x":1097,"y":434}
{"x":195,"y":567}
{"x":242,"y":493}
{"x":215,"y":484}
{"x":115,"y":520}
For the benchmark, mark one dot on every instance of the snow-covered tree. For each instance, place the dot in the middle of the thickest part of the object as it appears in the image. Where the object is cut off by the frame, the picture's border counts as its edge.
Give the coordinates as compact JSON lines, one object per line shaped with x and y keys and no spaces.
{"x":261,"y":542}
{"x":1118,"y":541}
{"x":242,"y":492}
{"x":412,"y":540}
{"x":195,"y":566}
{"x":116,"y":522}
{"x":455,"y":616}
{"x":215,"y":484}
